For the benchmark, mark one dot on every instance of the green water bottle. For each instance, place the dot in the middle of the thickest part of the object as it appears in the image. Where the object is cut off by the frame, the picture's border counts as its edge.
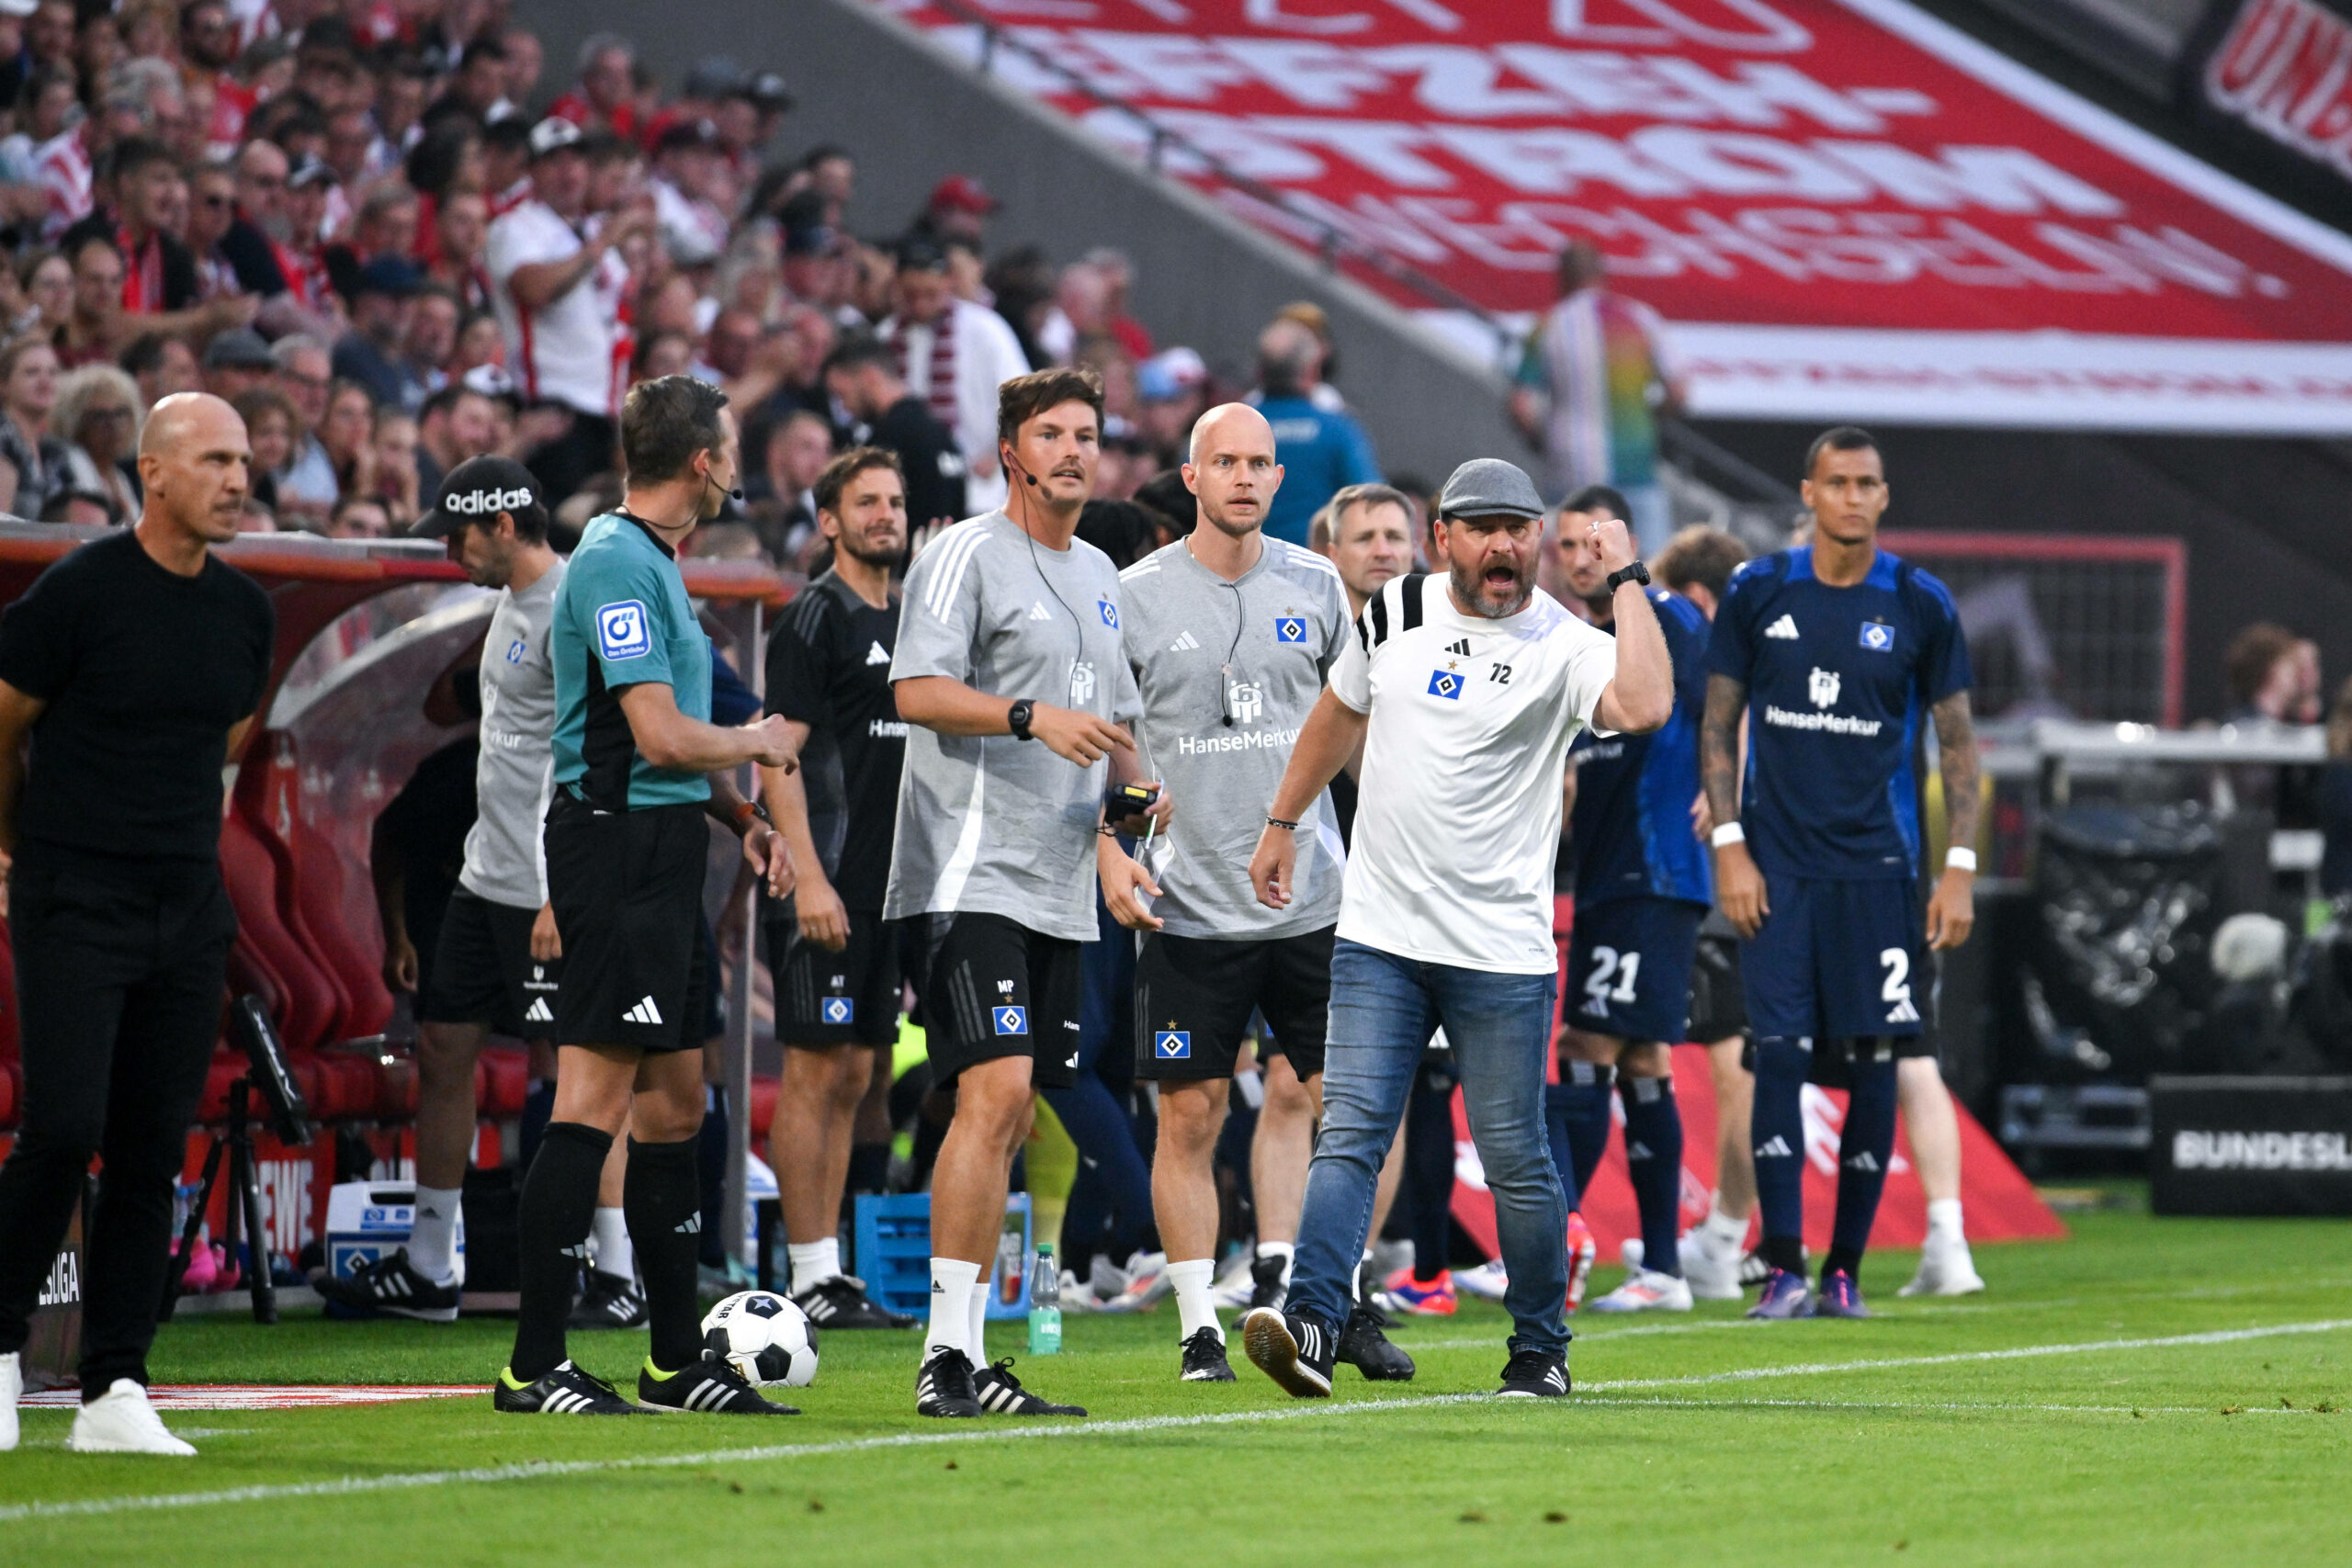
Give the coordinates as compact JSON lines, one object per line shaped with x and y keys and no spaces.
{"x":1044,"y":1304}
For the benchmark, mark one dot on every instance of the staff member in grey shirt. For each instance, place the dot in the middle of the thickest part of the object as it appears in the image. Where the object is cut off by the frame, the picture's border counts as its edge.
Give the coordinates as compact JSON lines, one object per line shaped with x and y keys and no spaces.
{"x":1010,"y":669}
{"x":499,"y":960}
{"x":1229,"y":635}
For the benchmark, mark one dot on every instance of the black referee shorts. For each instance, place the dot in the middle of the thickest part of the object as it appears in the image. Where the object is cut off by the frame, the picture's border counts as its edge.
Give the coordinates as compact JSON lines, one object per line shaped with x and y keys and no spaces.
{"x":994,"y":988}
{"x":483,"y":972}
{"x":626,"y":886}
{"x":825,"y":999}
{"x":1195,"y":997}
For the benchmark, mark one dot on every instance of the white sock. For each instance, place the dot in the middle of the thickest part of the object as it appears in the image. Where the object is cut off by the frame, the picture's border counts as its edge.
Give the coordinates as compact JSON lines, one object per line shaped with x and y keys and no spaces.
{"x":978,"y":1348}
{"x":814,"y":1263}
{"x":432,"y":1242}
{"x":951,"y":1305}
{"x":1943,"y":1221}
{"x":609,"y":1239}
{"x":1723,"y":1233}
{"x":1194,"y":1311}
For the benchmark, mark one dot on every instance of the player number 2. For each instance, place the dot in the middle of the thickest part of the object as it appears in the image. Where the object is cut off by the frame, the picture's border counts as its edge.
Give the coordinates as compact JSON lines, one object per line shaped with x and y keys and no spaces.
{"x":1896,"y":992}
{"x":1608,"y":962}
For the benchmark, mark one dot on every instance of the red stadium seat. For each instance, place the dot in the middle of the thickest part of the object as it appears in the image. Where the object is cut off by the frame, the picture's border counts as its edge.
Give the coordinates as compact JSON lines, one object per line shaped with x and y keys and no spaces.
{"x":303,"y":1000}
{"x":763,"y":1093}
{"x":502,"y":1081}
{"x":8,"y":1047}
{"x":11,"y":1093}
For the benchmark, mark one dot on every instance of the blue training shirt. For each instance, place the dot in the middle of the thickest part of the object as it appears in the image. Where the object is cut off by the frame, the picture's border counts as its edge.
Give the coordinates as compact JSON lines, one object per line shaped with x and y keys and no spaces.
{"x":1631,"y":822}
{"x":1321,"y":453}
{"x":1838,"y":682}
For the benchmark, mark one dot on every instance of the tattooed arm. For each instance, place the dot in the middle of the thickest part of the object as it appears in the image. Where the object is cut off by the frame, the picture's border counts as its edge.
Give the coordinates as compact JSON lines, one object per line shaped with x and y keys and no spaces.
{"x":1952,"y":909}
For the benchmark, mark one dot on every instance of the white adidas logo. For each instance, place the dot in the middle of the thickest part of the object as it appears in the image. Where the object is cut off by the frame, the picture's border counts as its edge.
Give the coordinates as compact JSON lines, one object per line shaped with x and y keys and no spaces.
{"x":643,"y":1012}
{"x":1638,"y":1150}
{"x":877,"y":654}
{"x":1865,"y":1161}
{"x":1038,"y":612}
{"x":1902,"y":1012}
{"x":1785,"y":628}
{"x":539,"y":1012}
{"x":1185,"y":643}
{"x":1774,"y":1147}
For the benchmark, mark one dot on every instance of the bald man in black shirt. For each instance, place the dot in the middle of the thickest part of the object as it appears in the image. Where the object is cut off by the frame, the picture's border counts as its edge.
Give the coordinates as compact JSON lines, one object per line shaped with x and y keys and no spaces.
{"x":134,"y":665}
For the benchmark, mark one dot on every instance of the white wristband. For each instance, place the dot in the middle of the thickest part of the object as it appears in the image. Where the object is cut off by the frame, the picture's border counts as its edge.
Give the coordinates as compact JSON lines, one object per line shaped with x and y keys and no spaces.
{"x":1727,"y":833}
{"x":1959,"y":860}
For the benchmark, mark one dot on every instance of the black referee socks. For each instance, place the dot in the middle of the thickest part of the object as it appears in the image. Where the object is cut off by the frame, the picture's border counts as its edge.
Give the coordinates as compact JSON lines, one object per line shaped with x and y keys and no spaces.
{"x":558,"y":1205}
{"x":662,"y":1199}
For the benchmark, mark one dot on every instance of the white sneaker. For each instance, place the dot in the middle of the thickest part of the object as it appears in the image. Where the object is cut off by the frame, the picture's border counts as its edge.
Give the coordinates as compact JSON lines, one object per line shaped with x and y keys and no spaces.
{"x":1713,"y":1276}
{"x":1235,"y":1286}
{"x":1945,"y":1270}
{"x":12,"y":1388}
{"x":1487,"y":1282}
{"x":1147,"y":1283}
{"x":1646,"y":1291}
{"x":120,"y":1421}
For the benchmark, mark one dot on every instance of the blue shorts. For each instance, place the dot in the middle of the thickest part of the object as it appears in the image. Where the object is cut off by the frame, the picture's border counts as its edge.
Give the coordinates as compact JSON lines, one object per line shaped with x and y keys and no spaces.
{"x":1628,"y":968}
{"x":1835,"y":960}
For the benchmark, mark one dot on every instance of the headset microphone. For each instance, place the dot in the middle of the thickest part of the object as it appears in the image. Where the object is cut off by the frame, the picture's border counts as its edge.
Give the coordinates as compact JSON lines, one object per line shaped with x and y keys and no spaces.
{"x":1029,"y":477}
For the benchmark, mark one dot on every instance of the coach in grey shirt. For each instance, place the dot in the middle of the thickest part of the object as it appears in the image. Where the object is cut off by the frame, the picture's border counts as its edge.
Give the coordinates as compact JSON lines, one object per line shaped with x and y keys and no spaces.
{"x":1229,"y":633}
{"x":1009,"y":670}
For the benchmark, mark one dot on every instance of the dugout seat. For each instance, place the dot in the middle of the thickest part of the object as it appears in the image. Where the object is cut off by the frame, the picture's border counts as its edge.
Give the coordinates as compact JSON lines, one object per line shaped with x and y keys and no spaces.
{"x":764,"y":1092}
{"x":502,"y":1081}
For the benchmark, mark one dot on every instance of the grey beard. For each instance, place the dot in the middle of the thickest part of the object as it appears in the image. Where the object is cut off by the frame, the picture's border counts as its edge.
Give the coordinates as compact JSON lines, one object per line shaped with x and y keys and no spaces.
{"x":1470,"y":591}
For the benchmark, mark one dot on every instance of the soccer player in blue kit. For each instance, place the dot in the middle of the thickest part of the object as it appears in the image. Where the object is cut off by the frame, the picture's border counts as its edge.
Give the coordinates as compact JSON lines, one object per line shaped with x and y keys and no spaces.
{"x":1642,"y":887}
{"x":1837,"y":650}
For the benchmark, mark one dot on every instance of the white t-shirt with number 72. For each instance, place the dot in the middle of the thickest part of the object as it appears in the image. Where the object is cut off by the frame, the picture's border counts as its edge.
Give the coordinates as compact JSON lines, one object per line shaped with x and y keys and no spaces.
{"x":1458,"y":805}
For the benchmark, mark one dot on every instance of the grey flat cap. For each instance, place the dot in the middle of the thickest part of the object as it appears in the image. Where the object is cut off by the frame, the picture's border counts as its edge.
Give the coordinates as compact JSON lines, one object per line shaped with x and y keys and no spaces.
{"x":1489,"y":484}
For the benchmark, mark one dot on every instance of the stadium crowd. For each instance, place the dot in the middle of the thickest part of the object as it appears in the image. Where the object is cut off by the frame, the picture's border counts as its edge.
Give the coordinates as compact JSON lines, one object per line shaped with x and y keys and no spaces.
{"x":395,"y":239}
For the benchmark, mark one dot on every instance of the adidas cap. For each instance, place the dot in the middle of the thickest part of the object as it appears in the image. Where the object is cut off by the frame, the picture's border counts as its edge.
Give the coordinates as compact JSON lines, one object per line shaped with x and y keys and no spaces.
{"x":478,"y":490}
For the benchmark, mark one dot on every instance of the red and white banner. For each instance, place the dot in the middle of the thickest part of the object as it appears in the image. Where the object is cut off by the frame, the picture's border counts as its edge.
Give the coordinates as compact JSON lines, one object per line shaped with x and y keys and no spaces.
{"x":2001,"y":1206}
{"x":1842,"y":207}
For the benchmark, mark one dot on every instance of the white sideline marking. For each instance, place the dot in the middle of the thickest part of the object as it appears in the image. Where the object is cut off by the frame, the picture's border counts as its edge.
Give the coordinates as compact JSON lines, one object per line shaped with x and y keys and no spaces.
{"x":2019,"y":1353}
{"x":538,"y":1470}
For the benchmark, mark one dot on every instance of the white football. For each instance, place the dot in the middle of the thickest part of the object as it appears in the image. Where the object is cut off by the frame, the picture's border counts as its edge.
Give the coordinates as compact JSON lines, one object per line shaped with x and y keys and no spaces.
{"x":765,"y":1336}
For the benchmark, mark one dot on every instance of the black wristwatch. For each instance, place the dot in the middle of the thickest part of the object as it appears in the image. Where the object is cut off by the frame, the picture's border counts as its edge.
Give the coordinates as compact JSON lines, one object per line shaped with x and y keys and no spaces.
{"x":1636,"y":572}
{"x":1016,"y":718}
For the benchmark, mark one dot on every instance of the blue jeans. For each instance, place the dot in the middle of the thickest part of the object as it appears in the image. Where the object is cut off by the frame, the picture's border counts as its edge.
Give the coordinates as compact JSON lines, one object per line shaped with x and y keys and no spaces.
{"x":1384,"y":1008}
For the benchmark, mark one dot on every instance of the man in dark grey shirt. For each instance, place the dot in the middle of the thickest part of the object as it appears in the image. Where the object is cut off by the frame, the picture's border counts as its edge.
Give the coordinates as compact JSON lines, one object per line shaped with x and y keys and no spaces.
{"x":1010,"y":669}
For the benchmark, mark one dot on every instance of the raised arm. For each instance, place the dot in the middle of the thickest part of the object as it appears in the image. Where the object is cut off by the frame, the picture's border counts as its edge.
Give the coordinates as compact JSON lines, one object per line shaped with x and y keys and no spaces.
{"x":1951,"y":908}
{"x":1739,"y":885}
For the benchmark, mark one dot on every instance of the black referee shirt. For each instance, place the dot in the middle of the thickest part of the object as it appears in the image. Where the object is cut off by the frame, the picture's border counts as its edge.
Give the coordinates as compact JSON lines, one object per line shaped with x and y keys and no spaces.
{"x":144,"y":673}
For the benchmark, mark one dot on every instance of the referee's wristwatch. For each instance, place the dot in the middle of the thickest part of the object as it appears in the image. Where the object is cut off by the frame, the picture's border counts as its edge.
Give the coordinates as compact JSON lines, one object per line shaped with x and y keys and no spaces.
{"x":1636,"y":572}
{"x":1017,"y":717}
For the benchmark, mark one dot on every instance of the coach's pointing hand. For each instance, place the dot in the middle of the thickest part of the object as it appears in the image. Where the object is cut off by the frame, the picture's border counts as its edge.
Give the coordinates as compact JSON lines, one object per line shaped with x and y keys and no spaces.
{"x":1079,"y":737}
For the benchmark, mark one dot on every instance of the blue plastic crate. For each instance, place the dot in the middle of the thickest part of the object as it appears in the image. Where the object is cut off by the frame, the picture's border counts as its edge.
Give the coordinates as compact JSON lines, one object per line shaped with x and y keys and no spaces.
{"x":893,"y":1256}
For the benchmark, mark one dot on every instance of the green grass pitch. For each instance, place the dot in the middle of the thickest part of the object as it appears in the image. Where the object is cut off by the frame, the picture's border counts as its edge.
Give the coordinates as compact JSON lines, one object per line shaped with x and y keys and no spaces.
{"x":2149,"y":1391}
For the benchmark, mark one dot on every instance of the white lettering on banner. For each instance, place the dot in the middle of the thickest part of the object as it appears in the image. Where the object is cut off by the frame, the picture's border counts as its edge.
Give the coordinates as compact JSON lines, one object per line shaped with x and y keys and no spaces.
{"x":2285,"y":69}
{"x":1254,"y":740}
{"x":1848,"y":166}
{"x":63,"y":1285}
{"x":2261,"y":1151}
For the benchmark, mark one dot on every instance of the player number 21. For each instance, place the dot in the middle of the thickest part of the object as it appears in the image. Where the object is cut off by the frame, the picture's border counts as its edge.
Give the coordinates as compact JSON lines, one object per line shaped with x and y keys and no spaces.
{"x":1607,"y":962}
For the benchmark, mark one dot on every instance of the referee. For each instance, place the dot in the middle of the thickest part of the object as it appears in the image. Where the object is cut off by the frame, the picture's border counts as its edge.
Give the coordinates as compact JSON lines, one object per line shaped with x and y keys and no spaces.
{"x":1465,"y":691}
{"x":134,"y":665}
{"x":638,"y":767}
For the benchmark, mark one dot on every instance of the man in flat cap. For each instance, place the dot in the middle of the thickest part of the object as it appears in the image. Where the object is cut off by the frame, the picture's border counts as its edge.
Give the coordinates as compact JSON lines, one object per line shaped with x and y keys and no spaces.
{"x":1464,"y":690}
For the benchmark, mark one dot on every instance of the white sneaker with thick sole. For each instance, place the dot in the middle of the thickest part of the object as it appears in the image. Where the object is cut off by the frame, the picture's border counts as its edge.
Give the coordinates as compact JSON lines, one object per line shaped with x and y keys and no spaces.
{"x":12,"y":1388}
{"x":1946,"y":1268}
{"x":120,"y":1421}
{"x":1147,"y":1283}
{"x":1646,"y":1291}
{"x":1713,"y":1276}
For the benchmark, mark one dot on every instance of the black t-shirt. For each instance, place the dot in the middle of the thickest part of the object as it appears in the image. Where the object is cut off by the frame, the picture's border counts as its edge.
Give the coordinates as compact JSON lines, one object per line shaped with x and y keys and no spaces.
{"x":828,"y":668}
{"x":144,"y":671}
{"x":928,"y":452}
{"x":426,"y":825}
